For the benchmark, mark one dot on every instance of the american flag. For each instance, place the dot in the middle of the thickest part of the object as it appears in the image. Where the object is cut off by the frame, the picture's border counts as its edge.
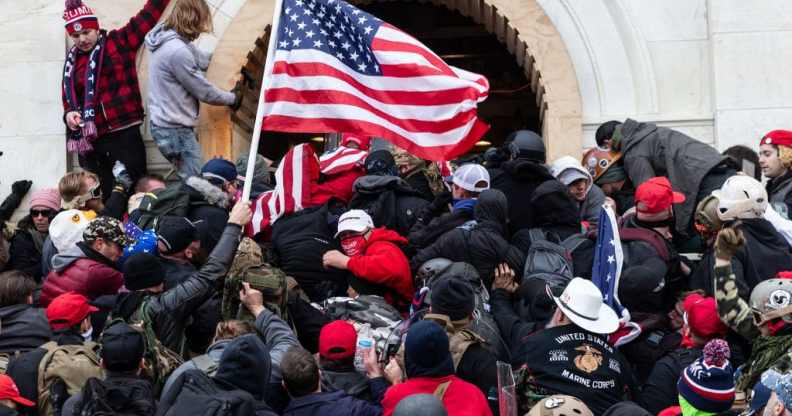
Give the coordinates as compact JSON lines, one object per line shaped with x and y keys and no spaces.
{"x":339,"y":69}
{"x":342,"y":159}
{"x":296,"y":172}
{"x":608,"y":259}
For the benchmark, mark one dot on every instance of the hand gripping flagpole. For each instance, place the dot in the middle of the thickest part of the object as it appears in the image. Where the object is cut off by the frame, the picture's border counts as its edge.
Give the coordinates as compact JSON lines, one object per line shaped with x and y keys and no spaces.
{"x":270,"y":61}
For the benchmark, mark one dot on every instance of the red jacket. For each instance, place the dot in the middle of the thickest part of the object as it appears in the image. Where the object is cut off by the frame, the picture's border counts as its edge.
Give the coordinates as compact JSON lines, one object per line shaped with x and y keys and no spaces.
{"x":119,"y":103}
{"x":383,"y":262}
{"x":87,"y":277}
{"x":460,"y":399}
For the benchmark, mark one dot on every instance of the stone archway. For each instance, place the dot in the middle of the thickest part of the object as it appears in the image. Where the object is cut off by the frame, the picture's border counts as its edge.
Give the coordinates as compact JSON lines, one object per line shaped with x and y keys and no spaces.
{"x":521,"y":25}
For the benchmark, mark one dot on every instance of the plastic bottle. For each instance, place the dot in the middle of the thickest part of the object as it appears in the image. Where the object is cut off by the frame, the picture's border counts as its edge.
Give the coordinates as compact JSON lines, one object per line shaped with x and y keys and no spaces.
{"x":365,"y":341}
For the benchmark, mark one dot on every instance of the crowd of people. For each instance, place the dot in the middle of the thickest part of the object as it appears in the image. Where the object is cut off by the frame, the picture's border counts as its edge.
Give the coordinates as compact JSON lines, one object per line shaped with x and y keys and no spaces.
{"x":395,"y":286}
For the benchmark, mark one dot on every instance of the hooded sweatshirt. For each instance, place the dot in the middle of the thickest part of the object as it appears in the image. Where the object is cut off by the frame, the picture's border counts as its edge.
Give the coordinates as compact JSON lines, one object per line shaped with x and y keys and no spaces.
{"x":176,"y":81}
{"x":245,"y":365}
{"x":590,"y":207}
{"x":84,"y":271}
{"x":382,"y":261}
{"x":518,"y":179}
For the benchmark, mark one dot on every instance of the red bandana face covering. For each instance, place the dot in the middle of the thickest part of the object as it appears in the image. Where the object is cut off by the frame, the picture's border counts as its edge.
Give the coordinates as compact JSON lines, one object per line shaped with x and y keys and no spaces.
{"x":353,"y":245}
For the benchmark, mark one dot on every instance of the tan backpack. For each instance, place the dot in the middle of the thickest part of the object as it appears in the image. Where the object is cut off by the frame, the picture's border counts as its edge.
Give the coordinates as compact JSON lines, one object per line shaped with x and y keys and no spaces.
{"x":73,"y":364}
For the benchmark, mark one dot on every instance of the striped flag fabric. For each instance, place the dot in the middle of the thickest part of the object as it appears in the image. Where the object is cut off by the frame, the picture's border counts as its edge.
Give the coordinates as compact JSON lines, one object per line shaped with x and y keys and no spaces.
{"x":296,"y":172}
{"x":339,"y":69}
{"x":341,"y":160}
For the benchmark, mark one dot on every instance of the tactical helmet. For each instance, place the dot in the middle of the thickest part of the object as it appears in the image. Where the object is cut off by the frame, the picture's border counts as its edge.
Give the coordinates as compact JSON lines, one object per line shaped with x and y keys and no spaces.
{"x":741,"y":197}
{"x":560,"y":405}
{"x":707,"y":220}
{"x":772,"y":299}
{"x":597,"y":161}
{"x":430,"y":269}
{"x":525,"y":144}
{"x":420,"y":404}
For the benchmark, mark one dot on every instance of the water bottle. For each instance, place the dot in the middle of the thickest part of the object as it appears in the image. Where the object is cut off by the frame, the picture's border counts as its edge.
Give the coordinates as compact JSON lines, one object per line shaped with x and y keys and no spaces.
{"x":365,"y":341}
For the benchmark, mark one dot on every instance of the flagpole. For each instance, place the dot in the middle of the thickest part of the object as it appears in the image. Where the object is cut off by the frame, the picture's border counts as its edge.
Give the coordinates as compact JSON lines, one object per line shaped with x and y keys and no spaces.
{"x":270,"y":61}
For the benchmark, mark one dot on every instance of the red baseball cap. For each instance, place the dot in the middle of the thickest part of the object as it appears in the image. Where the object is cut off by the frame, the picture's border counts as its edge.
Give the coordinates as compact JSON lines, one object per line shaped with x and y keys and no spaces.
{"x":68,"y":310}
{"x":656,"y":195}
{"x":702,"y":316}
{"x":10,"y":391}
{"x":337,"y":340}
{"x":778,"y":138}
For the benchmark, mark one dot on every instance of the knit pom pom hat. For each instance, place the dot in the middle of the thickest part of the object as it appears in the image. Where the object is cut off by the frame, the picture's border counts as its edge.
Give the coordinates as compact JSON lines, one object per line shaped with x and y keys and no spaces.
{"x":708,"y":383}
{"x":79,"y":17}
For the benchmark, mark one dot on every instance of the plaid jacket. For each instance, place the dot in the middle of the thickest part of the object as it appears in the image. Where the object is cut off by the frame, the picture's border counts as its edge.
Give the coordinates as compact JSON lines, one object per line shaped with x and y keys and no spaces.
{"x":120,"y":104}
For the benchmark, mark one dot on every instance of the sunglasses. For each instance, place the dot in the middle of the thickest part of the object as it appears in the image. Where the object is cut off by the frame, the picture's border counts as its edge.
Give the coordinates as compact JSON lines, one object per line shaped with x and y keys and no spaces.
{"x":42,"y":213}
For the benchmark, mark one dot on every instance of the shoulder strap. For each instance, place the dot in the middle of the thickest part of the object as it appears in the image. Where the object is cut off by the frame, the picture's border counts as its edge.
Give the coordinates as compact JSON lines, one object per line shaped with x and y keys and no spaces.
{"x":536,"y":234}
{"x":440,"y":391}
{"x":573,"y":242}
{"x":648,"y":236}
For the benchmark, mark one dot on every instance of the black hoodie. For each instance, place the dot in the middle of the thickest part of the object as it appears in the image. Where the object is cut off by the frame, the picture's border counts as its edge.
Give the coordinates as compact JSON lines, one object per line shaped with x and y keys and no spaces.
{"x":518,"y":179}
{"x":481,"y":244}
{"x":245,"y":365}
{"x":764,"y":254}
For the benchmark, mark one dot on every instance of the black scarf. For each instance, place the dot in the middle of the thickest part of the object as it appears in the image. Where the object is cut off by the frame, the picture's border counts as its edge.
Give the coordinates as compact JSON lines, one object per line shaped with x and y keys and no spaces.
{"x":80,"y":140}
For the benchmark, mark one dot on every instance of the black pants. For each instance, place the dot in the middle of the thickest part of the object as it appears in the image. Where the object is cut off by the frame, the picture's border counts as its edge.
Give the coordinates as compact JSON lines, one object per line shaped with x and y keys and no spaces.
{"x":125,"y":145}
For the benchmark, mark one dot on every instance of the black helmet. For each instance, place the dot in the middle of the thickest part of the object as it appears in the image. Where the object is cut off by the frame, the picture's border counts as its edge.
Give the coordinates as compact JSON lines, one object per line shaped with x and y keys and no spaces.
{"x":525,"y":144}
{"x":420,"y":404}
{"x":431,"y":268}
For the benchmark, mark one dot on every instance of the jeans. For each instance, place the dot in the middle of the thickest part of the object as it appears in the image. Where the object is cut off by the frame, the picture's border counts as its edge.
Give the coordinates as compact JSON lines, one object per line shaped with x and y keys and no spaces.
{"x":180,"y":146}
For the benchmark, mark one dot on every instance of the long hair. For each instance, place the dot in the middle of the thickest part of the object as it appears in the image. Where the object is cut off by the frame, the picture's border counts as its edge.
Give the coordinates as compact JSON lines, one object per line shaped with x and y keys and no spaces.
{"x":190,"y":18}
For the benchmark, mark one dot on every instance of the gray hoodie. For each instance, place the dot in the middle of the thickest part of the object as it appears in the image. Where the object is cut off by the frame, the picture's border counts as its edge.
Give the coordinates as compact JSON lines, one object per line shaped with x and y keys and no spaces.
{"x":176,"y":81}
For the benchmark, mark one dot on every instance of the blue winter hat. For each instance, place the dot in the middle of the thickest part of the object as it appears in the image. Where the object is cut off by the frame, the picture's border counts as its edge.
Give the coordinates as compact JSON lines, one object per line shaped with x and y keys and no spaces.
{"x":427,"y":351}
{"x":219,"y":168}
{"x":761,"y":392}
{"x":708,"y":383}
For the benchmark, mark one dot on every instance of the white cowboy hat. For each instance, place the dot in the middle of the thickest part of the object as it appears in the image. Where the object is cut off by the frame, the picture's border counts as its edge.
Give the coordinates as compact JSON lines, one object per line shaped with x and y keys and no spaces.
{"x":582,"y":303}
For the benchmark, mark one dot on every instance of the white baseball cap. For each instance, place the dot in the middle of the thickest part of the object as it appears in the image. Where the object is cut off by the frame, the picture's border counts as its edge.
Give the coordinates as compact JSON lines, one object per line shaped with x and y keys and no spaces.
{"x":355,"y":220}
{"x":66,"y":229}
{"x":582,"y":303}
{"x":469,"y":175}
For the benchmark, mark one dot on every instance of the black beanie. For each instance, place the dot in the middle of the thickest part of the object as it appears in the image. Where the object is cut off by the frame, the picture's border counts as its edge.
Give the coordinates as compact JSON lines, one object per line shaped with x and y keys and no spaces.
{"x":641,"y":287}
{"x":453,"y":297}
{"x":142,"y":271}
{"x":122,"y":348}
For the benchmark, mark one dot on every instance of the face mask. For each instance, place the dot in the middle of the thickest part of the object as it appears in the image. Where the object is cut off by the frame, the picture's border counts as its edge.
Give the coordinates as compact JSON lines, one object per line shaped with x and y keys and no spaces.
{"x":87,"y":334}
{"x":353,"y":245}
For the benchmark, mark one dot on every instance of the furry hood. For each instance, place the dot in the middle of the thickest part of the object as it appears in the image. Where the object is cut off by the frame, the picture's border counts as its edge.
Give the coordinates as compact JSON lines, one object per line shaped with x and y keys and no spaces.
{"x":208,"y":192}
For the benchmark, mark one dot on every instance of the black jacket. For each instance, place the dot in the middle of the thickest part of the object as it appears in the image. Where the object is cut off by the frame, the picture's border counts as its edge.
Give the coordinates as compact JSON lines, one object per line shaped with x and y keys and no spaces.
{"x":764,"y":254}
{"x":391,"y":202}
{"x":481,"y":244}
{"x":169,"y":310}
{"x":518,"y":179}
{"x":339,"y":376}
{"x":779,"y":193}
{"x":299,"y":241}
{"x":333,"y":403}
{"x":23,"y":328}
{"x":479,"y":367}
{"x":208,"y":204}
{"x":24,"y":369}
{"x":23,"y":253}
{"x":660,"y":390}
{"x":435,"y":221}
{"x":244,"y":365}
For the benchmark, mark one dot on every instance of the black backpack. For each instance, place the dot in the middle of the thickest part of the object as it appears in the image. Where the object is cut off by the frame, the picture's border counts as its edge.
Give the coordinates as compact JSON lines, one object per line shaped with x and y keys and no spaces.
{"x":172,"y":200}
{"x":550,"y":258}
{"x":102,"y":398}
{"x":195,"y":394}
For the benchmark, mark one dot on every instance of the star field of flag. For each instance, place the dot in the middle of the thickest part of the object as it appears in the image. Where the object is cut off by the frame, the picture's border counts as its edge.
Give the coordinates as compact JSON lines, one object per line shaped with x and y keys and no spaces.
{"x":333,"y":27}
{"x":608,"y":258}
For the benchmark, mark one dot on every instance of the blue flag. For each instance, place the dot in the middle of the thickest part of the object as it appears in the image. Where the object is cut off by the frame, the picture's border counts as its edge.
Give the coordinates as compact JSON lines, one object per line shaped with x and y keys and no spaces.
{"x":608,"y":260}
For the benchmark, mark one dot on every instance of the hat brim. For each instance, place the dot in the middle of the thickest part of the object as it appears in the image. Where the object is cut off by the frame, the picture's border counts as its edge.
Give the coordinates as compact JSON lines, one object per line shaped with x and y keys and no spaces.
{"x":678,"y":198}
{"x":606,"y":323}
{"x":360,"y":229}
{"x":21,"y":400}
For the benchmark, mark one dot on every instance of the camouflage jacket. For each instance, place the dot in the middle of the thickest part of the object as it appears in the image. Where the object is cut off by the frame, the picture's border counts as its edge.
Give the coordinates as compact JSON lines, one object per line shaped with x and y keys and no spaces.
{"x":732,"y":309}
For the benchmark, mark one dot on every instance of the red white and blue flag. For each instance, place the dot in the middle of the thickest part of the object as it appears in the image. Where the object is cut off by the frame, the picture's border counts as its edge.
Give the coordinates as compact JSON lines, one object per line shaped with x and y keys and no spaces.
{"x":341,"y":160}
{"x":339,"y":69}
{"x":608,"y":259}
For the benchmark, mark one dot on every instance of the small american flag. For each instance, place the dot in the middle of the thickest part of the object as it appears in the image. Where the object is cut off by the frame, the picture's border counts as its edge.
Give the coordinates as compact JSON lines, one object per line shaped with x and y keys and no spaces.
{"x":608,"y":259}
{"x":342,"y":159}
{"x":339,"y":69}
